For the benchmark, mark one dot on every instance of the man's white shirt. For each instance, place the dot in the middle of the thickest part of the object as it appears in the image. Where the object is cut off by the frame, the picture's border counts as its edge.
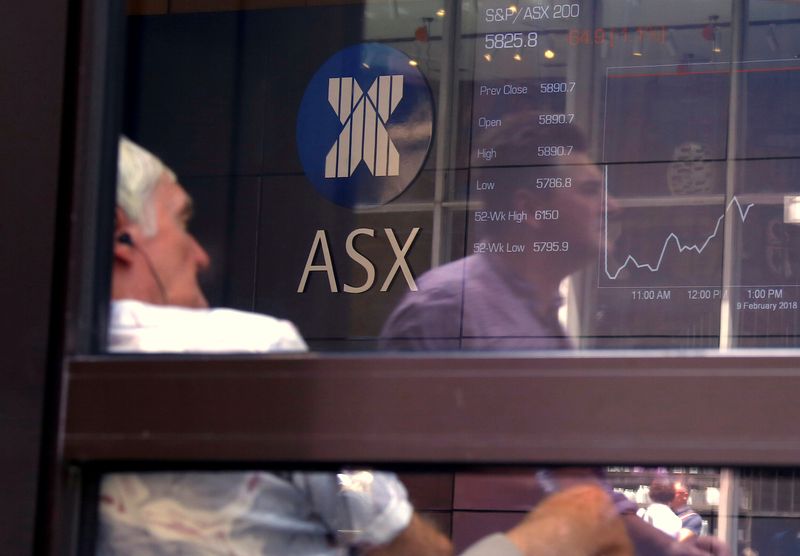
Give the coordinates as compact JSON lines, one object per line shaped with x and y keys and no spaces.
{"x":662,"y":517}
{"x":138,"y":327}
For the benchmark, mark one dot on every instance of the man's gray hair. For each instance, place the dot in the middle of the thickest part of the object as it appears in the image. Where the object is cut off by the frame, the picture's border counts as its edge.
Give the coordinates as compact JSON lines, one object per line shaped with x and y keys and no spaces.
{"x":138,"y":173}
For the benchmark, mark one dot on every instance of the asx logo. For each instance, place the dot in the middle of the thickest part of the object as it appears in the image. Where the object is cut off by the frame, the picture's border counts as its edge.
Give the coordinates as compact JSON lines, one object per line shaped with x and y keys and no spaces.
{"x":320,"y":245}
{"x":364,"y":136}
{"x":365,"y":125}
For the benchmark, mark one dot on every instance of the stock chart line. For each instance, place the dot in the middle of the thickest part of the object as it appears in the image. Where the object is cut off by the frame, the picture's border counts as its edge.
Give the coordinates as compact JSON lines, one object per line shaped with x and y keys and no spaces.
{"x":671,"y":238}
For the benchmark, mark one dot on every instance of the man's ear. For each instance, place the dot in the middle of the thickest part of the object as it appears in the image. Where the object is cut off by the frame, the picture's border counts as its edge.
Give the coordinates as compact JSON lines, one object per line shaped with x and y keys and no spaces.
{"x":123,"y":227}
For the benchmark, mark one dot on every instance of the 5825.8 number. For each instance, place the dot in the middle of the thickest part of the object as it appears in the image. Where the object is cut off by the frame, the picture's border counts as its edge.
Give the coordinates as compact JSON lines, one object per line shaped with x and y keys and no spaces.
{"x":496,"y":41}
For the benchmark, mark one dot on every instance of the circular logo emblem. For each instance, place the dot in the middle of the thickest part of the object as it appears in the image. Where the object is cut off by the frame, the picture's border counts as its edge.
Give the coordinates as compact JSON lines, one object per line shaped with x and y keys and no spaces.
{"x":365,"y":125}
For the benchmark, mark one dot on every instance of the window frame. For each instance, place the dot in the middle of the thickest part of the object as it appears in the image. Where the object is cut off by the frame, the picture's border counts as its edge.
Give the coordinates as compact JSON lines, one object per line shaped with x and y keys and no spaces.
{"x":462,"y":410}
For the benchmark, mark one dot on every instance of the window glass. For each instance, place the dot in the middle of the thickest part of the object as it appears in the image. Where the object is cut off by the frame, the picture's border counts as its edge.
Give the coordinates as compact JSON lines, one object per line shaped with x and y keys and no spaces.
{"x":478,"y":175}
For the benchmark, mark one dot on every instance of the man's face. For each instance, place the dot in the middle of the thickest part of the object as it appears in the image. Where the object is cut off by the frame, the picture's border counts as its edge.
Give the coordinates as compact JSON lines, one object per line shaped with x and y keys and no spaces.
{"x":176,"y":255}
{"x":681,"y":495}
{"x":581,"y":207}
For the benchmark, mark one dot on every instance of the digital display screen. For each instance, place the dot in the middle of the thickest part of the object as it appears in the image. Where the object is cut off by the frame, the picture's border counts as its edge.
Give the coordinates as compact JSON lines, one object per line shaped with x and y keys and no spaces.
{"x":642,"y":153}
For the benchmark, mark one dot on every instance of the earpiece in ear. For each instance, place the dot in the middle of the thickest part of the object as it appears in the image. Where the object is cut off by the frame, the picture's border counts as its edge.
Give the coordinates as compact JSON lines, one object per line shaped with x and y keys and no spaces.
{"x":126,"y":239}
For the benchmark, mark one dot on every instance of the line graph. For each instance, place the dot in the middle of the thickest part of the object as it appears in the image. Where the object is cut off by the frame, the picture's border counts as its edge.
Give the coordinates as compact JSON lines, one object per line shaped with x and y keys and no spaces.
{"x":671,"y":239}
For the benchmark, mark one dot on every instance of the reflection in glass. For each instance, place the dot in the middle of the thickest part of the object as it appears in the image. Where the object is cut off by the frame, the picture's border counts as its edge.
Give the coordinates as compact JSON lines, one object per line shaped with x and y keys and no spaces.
{"x":677,"y":100}
{"x":605,"y":174}
{"x":687,"y":113}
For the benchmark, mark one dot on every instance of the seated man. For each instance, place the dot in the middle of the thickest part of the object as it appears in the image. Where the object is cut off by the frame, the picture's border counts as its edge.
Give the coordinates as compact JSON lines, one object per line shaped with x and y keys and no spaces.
{"x":158,"y":306}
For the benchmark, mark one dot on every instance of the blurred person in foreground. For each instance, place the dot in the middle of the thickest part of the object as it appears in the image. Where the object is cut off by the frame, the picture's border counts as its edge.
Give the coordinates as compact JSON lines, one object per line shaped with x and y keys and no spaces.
{"x":580,"y":520}
{"x":158,"y":306}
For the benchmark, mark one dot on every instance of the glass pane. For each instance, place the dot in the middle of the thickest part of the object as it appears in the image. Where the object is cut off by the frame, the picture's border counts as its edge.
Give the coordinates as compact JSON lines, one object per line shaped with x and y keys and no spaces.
{"x":476,"y":175}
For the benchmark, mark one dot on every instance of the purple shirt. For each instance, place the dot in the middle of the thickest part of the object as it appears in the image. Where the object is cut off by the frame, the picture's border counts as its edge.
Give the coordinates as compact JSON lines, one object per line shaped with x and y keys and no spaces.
{"x":475,"y":303}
